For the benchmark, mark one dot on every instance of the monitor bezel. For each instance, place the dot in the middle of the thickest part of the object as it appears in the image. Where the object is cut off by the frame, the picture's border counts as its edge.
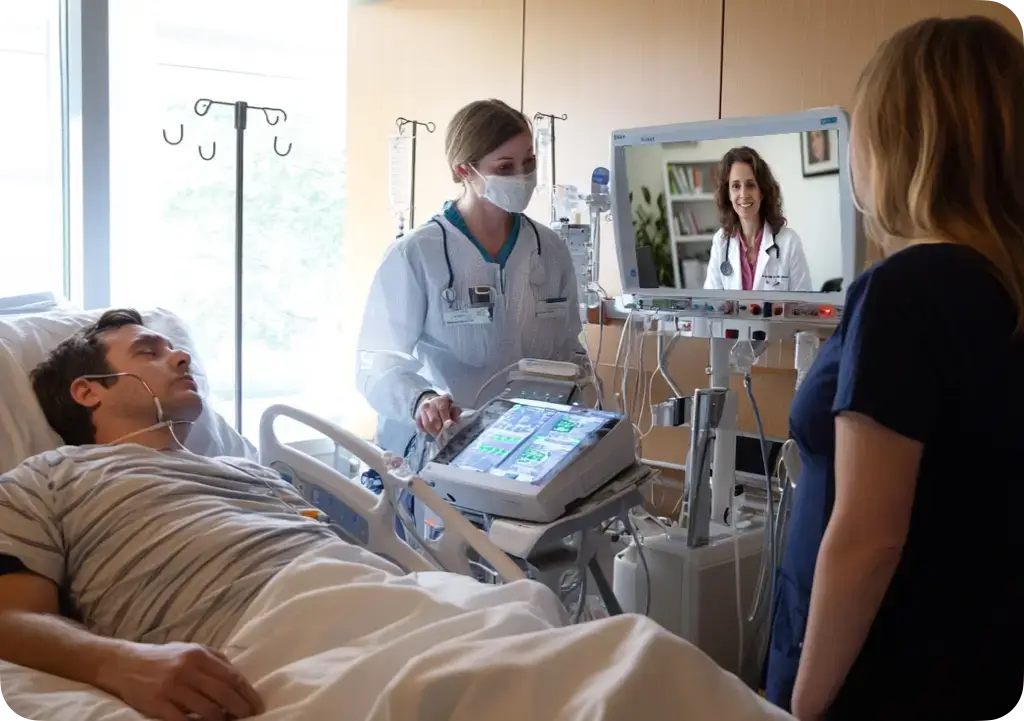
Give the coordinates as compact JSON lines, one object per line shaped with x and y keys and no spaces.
{"x":851,"y":239}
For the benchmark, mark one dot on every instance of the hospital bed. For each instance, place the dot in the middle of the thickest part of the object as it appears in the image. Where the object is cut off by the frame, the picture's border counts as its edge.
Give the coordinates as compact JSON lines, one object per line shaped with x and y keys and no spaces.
{"x":348,"y":638}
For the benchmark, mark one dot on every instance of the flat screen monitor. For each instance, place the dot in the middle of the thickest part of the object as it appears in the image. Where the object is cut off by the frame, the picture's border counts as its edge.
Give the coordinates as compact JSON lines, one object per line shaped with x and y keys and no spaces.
{"x":525,"y":442}
{"x":734,"y":208}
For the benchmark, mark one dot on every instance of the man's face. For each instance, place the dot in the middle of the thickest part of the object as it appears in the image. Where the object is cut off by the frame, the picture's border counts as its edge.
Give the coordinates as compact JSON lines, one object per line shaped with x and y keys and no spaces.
{"x":151,"y":358}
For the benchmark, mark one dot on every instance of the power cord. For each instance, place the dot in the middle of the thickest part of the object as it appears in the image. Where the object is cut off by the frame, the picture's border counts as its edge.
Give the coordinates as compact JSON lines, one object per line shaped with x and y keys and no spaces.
{"x":769,"y":557}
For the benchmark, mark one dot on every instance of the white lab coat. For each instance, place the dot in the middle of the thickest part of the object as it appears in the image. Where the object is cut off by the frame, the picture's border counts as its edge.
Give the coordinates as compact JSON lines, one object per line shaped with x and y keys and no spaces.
{"x":793,"y":272}
{"x":407,"y":348}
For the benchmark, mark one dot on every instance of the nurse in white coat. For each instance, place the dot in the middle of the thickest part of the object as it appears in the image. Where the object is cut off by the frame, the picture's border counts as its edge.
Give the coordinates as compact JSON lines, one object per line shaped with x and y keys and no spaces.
{"x":755,"y":249}
{"x":477,"y":288}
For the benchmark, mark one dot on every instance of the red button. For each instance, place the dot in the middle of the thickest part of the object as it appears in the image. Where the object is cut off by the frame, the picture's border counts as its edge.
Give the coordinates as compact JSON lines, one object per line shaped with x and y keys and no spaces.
{"x":732,"y":333}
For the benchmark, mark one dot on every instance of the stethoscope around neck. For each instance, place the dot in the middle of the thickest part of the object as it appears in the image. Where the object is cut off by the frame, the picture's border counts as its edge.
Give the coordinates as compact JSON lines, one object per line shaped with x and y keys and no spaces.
{"x":726,"y":267}
{"x":537,"y":274}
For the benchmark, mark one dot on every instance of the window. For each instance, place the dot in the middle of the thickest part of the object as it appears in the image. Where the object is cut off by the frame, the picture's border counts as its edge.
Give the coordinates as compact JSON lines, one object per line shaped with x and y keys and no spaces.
{"x":31,"y":165}
{"x":172,"y":213}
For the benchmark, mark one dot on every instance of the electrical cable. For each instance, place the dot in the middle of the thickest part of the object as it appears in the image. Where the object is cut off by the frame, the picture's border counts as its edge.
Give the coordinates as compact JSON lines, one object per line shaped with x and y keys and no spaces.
{"x":769,"y":556}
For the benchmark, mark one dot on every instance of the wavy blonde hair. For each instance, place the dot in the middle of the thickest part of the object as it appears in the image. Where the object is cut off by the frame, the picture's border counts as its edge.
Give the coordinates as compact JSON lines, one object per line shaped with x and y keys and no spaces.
{"x":939,"y":117}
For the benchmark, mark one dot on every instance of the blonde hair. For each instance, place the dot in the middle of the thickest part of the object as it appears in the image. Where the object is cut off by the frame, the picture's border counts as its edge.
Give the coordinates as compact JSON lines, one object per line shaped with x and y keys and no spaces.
{"x":479,"y":129}
{"x":938,"y":113}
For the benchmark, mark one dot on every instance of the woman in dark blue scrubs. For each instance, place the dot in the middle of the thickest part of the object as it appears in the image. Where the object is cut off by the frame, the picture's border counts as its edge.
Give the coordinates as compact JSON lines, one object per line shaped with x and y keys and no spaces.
{"x":900,"y":591}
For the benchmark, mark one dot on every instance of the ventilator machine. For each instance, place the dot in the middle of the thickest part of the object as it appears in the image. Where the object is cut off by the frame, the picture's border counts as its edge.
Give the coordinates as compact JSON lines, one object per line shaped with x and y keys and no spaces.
{"x":538,"y":480}
{"x":707,"y":573}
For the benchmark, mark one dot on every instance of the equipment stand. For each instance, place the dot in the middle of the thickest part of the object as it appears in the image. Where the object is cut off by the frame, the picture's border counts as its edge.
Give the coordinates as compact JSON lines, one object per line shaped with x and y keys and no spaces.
{"x":241,"y":113}
{"x":430,"y":127}
{"x":604,"y":588}
{"x":551,"y":129}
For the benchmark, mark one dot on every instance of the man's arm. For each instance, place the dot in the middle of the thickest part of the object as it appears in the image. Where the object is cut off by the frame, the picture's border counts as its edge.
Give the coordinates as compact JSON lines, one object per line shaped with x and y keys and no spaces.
{"x":33,"y":634}
{"x":166,"y":682}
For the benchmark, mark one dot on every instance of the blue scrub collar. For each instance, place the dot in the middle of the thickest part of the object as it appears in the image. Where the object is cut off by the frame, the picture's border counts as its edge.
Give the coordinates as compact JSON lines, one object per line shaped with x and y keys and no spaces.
{"x":453,"y":216}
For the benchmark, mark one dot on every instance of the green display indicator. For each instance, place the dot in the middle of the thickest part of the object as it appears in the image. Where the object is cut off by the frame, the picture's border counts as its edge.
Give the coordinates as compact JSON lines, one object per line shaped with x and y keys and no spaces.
{"x":564,"y":426}
{"x":532,"y":457}
{"x":492,"y":451}
{"x":498,"y":438}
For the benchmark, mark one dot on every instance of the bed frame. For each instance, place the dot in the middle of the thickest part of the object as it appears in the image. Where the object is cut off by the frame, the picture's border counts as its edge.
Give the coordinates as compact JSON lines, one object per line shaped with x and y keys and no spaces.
{"x":368,"y":520}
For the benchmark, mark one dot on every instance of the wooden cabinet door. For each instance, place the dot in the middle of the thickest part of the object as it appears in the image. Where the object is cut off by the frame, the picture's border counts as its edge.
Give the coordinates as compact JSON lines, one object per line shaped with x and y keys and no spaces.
{"x":608,"y":65}
{"x":423,"y":60}
{"x":782,"y":56}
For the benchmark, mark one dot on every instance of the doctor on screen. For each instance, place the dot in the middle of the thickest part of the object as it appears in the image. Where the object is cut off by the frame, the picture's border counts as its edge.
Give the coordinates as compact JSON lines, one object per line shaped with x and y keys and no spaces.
{"x":754,"y":250}
{"x":476,"y":288}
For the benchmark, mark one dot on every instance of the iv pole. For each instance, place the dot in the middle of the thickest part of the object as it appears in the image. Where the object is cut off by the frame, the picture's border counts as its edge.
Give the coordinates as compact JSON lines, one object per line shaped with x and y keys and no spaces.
{"x":551,"y":129}
{"x":430,"y":127}
{"x":241,"y":113}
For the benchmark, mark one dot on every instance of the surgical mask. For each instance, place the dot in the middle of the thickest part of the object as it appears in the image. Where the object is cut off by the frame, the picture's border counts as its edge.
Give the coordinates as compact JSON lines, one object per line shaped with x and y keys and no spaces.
{"x":511,"y":193}
{"x":161,"y":422}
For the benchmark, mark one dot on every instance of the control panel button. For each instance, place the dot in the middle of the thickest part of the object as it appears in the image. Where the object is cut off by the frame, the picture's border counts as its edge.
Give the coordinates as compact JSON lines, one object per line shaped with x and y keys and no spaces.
{"x":732,"y":333}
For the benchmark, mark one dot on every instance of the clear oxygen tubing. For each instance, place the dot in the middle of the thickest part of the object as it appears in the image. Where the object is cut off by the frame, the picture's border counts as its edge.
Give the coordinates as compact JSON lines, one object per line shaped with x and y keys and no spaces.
{"x":163,"y":422}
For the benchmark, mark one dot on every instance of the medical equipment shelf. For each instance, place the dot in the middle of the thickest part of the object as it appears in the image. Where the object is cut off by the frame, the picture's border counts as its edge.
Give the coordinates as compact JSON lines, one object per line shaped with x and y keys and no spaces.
{"x":241,"y":110}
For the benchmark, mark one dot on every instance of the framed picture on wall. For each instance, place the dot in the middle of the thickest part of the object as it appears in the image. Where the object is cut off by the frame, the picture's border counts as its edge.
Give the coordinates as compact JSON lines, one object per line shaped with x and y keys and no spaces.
{"x":818,"y":152}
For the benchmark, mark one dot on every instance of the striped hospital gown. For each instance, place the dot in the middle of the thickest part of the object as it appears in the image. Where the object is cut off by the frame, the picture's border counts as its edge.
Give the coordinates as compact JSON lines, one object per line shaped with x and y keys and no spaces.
{"x":153,"y":546}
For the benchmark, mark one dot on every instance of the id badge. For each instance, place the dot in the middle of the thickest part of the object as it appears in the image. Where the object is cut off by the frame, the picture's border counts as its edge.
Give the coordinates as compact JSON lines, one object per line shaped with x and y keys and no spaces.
{"x":553,"y":308}
{"x":467,"y":316}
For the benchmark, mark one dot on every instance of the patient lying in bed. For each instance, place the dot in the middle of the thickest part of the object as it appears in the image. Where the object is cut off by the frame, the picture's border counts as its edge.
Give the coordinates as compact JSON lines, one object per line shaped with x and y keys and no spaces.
{"x":180,"y":584}
{"x":146,"y":543}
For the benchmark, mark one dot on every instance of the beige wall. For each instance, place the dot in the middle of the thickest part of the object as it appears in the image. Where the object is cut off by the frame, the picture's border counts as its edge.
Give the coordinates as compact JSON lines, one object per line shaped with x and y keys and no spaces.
{"x":606,"y":64}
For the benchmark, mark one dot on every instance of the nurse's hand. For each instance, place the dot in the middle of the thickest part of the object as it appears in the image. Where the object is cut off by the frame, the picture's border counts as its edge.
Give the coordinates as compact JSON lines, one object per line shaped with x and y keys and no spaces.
{"x":434,"y":411}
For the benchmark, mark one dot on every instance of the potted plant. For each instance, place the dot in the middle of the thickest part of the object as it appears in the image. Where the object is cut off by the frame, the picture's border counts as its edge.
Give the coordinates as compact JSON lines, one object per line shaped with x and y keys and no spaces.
{"x":650,"y":226}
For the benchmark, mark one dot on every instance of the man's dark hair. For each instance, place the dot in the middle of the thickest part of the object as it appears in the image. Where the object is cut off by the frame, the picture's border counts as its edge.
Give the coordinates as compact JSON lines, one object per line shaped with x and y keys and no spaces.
{"x":82,"y":354}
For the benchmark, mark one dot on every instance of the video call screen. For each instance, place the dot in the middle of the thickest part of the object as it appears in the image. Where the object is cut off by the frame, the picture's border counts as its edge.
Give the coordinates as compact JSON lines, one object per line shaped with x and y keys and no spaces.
{"x":685,"y":195}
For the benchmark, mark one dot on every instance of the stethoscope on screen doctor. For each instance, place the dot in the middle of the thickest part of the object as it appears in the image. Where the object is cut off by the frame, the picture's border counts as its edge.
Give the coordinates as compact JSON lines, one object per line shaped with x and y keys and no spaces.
{"x":726,"y":267}
{"x":537,"y":274}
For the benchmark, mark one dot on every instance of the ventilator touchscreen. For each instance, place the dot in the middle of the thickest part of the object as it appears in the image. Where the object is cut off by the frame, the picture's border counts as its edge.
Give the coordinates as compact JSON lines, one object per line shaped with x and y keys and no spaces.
{"x":527,"y":443}
{"x":530,"y":459}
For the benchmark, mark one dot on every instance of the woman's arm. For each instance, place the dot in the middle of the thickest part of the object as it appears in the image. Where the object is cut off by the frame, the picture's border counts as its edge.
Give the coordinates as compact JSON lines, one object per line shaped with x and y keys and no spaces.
{"x":876,"y":476}
{"x":388,"y":374}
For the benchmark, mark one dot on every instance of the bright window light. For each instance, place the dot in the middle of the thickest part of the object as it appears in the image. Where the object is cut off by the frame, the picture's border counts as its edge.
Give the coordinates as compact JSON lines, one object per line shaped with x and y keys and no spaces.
{"x":172,"y":213}
{"x":31,"y":125}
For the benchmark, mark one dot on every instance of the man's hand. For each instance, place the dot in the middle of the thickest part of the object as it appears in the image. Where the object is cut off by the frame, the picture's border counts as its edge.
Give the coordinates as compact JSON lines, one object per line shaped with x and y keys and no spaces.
{"x":434,"y":412}
{"x":175,"y":681}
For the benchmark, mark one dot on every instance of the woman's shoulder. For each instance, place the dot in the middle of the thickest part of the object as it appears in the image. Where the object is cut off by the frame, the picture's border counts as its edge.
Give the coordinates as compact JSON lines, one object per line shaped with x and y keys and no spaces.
{"x":923,"y":275}
{"x":933,"y":264}
{"x":550,"y":240}
{"x":426,"y":237}
{"x":787,"y":235}
{"x":428,"y":232}
{"x":547,"y":235}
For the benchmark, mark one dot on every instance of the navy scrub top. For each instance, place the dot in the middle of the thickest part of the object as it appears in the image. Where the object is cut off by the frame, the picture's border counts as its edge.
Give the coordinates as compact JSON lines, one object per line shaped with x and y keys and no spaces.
{"x":926,"y":348}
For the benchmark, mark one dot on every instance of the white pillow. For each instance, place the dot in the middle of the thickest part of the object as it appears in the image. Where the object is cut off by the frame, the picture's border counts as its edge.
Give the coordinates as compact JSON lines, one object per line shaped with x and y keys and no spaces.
{"x":25,"y":304}
{"x":26,"y":340}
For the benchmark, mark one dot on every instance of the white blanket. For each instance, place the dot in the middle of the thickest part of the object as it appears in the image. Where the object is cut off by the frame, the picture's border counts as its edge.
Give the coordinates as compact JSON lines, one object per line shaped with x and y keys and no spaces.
{"x":344,"y":638}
